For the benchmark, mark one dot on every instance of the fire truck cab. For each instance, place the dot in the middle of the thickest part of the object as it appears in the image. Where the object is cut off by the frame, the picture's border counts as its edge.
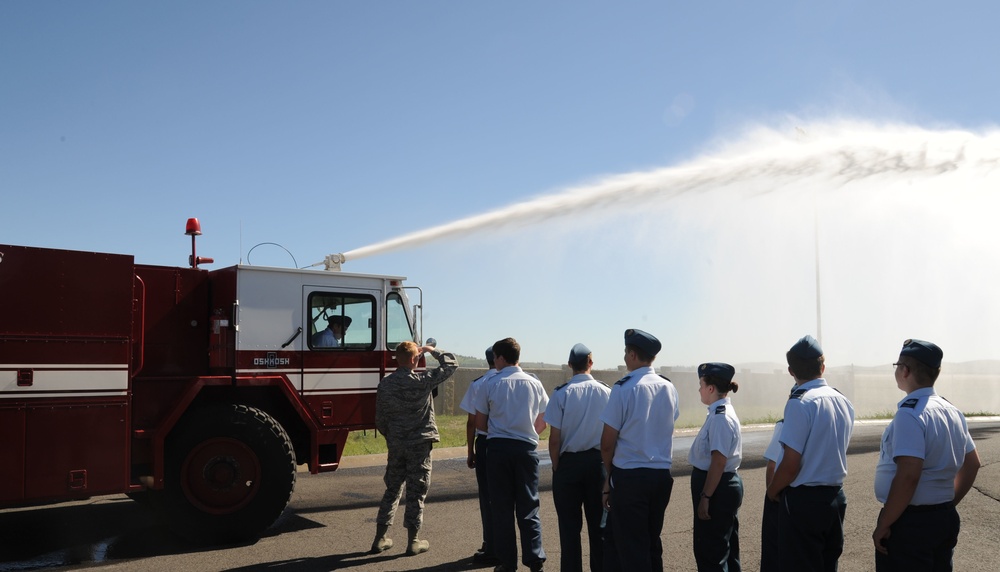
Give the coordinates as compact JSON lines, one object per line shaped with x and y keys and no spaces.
{"x":198,"y":391}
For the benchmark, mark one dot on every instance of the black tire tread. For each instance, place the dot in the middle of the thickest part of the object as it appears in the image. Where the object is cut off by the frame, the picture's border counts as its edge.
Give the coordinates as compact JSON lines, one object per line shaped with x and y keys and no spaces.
{"x":267,"y":438}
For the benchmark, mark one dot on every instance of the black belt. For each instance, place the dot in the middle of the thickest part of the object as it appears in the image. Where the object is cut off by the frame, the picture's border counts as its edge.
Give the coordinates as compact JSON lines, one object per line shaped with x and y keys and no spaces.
{"x":588,"y":452}
{"x":928,"y":507}
{"x":726,"y":475}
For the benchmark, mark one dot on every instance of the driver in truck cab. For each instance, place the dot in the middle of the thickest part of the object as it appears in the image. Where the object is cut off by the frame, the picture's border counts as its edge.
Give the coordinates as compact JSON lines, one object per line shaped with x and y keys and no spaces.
{"x":333,"y":335}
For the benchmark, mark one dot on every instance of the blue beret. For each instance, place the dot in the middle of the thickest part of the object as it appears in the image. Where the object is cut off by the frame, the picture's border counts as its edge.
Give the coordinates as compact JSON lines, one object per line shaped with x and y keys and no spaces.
{"x":579,"y":353}
{"x":924,"y":352}
{"x":723,"y":371}
{"x":645,"y":342}
{"x":806,"y":348}
{"x":489,"y":354}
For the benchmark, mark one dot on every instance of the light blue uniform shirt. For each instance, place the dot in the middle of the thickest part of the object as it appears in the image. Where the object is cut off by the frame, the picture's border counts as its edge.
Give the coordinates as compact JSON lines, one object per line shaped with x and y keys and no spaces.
{"x":818,"y":425}
{"x":720,"y":432}
{"x":575,"y":409}
{"x":774,"y":451}
{"x":468,"y":403}
{"x":325,"y":339}
{"x":642,"y":408}
{"x":512,"y":400}
{"x":927,"y":427}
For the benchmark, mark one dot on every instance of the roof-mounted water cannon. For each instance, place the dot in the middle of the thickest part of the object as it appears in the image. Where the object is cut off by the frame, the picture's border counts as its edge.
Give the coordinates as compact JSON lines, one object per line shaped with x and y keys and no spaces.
{"x":193,"y":229}
{"x":332,"y":262}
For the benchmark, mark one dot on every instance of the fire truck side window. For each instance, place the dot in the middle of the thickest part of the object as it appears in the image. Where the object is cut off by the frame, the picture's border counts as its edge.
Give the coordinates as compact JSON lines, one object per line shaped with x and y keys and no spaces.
{"x":339,"y":322}
{"x":398,"y":327}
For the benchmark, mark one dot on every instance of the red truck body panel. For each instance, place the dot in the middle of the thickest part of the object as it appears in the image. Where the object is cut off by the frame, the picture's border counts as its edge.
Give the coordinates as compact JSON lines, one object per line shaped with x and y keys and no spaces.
{"x":101,"y":359}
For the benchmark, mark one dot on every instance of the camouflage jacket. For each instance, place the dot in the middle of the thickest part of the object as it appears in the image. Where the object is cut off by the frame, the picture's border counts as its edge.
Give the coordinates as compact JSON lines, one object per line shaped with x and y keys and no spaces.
{"x":404,"y":409}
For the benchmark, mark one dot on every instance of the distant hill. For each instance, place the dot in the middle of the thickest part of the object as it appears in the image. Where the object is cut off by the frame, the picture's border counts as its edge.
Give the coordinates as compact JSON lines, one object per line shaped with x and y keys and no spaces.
{"x":468,"y":361}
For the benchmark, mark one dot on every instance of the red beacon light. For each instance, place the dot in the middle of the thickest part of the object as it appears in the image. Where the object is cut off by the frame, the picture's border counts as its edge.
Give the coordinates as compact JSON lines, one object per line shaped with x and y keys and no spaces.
{"x":193,"y":229}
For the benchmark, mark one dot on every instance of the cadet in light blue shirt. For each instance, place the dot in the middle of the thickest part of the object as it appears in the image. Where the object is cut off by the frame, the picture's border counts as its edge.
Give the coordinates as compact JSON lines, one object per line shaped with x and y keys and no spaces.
{"x":574,"y":414}
{"x":809,"y":479}
{"x":511,"y":409}
{"x":927,"y":463}
{"x":476,"y":459}
{"x":636,"y":447}
{"x":716,"y":488}
{"x":769,"y":548}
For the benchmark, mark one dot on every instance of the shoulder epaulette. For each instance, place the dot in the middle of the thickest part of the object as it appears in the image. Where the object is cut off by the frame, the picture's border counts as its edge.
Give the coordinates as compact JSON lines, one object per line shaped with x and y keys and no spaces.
{"x":797,"y":393}
{"x":623,"y":380}
{"x":720,"y":409}
{"x":837,"y":390}
{"x":477,"y":379}
{"x":665,"y":377}
{"x":601,"y":382}
{"x":558,"y":387}
{"x":911,"y":403}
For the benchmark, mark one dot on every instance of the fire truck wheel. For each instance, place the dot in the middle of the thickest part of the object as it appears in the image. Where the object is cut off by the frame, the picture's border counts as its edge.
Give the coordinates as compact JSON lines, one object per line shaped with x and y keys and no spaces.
{"x":230,"y":473}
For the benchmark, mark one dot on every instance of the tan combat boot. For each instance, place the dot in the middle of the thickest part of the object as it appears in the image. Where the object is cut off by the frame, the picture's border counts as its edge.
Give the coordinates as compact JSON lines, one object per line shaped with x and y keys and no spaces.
{"x":381,"y":542}
{"x":416,"y":546}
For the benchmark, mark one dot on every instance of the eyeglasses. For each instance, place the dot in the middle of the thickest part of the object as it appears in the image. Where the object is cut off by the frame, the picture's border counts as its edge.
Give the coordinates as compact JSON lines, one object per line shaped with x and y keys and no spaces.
{"x":899,"y":363}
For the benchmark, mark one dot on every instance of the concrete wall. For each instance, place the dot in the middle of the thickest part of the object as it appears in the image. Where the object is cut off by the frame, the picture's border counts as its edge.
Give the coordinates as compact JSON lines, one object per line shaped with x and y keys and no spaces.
{"x":762,"y":394}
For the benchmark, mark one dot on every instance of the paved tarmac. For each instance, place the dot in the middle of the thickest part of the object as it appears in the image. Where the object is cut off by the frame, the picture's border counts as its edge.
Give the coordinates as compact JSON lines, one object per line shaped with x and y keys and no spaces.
{"x":979,"y":541}
{"x":330,"y":521}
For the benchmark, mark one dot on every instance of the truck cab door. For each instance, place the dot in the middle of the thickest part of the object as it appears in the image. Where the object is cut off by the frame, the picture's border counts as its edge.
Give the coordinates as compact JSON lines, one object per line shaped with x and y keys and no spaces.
{"x":342,"y":363}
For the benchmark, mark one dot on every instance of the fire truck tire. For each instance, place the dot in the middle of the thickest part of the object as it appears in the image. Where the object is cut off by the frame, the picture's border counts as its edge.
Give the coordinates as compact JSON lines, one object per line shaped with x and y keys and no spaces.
{"x":230,"y":473}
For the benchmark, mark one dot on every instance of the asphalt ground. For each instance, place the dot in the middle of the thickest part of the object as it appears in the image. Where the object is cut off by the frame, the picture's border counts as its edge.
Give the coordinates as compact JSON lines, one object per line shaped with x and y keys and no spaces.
{"x":329,"y":524}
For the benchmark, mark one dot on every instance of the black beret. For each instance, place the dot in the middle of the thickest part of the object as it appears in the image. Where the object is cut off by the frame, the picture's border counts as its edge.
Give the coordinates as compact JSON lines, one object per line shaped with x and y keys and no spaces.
{"x":642,"y":340}
{"x":806,"y":348}
{"x":344,"y":321}
{"x":579,"y":353}
{"x":924,"y":352}
{"x":723,"y":371}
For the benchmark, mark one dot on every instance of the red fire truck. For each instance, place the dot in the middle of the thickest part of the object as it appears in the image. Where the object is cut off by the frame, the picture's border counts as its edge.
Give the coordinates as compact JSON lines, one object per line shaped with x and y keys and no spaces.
{"x":198,"y":391}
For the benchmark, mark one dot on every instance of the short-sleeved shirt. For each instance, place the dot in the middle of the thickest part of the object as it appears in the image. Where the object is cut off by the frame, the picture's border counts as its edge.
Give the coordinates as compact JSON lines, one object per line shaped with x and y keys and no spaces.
{"x":468,"y":403}
{"x":818,"y":424}
{"x":774,"y":451}
{"x":720,"y":432}
{"x":575,"y":410}
{"x":325,"y":339}
{"x":927,"y":427}
{"x":643,"y":408}
{"x":512,"y":400}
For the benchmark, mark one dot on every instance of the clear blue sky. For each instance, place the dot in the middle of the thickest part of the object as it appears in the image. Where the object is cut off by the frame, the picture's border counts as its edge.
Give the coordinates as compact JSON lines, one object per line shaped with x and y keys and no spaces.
{"x":330,"y":126}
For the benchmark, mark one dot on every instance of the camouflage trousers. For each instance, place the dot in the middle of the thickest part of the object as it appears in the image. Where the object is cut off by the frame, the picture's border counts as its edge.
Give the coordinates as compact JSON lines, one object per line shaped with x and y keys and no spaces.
{"x":408,"y":465}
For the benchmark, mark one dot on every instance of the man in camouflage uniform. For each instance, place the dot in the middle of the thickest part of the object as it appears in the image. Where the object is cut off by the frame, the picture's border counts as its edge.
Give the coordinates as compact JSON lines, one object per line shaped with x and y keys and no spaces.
{"x":404,"y":414}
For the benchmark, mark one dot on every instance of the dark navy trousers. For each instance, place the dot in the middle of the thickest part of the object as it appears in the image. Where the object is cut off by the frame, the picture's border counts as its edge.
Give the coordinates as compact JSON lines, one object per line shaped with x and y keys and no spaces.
{"x":512,"y":467}
{"x":484,"y":494}
{"x":576,"y":484}
{"x":811,"y":528}
{"x":923,"y":539}
{"x":717,"y":541}
{"x":639,"y":498}
{"x":770,"y":548}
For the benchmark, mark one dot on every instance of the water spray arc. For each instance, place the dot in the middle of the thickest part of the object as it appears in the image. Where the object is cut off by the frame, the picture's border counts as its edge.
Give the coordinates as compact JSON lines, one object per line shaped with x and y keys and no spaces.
{"x":836,"y":155}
